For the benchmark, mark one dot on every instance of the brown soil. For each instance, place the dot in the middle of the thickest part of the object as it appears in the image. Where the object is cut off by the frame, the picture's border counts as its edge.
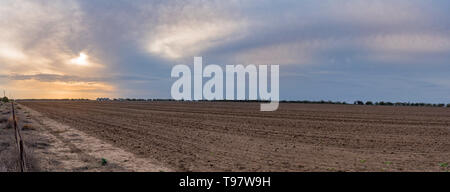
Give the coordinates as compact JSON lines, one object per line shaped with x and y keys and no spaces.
{"x":58,"y":147}
{"x":207,"y":136}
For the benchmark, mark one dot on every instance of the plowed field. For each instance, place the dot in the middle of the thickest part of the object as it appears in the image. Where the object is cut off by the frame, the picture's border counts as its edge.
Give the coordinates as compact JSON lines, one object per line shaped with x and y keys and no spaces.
{"x":222,"y":136}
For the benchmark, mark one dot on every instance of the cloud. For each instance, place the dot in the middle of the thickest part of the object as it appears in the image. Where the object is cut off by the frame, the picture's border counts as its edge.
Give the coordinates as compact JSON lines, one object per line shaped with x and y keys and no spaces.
{"x":409,"y":43}
{"x":39,"y":38}
{"x":285,"y":53}
{"x":52,"y":78}
{"x":76,"y":79}
{"x":374,"y":13}
{"x":186,"y":29}
{"x":43,"y":37}
{"x":189,"y":38}
{"x":131,"y":45}
{"x":312,"y":32}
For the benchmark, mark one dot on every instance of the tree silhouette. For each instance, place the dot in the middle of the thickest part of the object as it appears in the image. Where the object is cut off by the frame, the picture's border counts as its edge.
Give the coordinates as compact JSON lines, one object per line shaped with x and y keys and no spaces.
{"x":5,"y":99}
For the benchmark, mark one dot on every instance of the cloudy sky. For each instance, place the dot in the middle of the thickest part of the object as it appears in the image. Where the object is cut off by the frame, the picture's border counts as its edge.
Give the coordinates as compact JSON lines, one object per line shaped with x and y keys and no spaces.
{"x":328,"y":49}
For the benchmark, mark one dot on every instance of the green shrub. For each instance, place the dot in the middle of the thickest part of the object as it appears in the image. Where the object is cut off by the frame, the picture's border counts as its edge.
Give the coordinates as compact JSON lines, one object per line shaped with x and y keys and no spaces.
{"x":104,"y":162}
{"x":5,"y":99}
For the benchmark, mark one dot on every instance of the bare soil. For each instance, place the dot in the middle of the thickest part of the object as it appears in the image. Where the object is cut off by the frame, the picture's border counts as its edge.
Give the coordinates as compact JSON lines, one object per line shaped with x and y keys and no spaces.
{"x":52,"y":146}
{"x":224,"y":136}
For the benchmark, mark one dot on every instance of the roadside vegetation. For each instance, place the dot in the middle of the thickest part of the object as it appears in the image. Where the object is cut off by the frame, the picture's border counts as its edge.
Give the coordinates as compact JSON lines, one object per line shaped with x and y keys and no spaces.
{"x":9,"y":154}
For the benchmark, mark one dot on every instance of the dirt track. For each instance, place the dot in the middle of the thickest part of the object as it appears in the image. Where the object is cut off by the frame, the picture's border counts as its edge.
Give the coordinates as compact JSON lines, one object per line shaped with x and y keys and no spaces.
{"x":237,"y":137}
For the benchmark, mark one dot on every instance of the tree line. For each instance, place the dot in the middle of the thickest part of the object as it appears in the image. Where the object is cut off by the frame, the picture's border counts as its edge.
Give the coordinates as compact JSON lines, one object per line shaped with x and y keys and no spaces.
{"x":380,"y":103}
{"x":402,"y":104}
{"x":359,"y":102}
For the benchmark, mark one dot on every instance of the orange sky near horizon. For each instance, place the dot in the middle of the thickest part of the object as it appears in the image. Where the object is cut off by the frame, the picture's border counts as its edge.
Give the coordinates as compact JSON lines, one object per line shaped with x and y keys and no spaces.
{"x":33,"y":89}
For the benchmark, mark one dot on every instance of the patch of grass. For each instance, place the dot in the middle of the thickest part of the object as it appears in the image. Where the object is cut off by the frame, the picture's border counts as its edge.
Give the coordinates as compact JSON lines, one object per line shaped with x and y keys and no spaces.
{"x":362,"y":161}
{"x":444,"y":165}
{"x":388,"y":162}
{"x":104,"y":162}
{"x":331,"y":169}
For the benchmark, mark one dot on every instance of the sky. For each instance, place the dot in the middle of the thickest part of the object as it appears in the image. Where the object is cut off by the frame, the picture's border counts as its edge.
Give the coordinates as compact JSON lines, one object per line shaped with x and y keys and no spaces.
{"x":377,"y":50}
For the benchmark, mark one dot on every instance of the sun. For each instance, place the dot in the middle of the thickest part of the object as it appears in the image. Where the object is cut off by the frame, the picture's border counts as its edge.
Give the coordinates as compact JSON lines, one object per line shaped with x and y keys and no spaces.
{"x":81,"y":60}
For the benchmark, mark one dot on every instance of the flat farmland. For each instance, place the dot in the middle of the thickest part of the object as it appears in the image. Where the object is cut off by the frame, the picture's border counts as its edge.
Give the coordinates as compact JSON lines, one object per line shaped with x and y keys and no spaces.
{"x":228,"y":136}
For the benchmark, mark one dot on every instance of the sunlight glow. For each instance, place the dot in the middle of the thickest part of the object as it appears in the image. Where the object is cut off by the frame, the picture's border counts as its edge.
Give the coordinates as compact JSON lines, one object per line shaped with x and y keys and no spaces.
{"x":9,"y":52}
{"x":81,"y":60}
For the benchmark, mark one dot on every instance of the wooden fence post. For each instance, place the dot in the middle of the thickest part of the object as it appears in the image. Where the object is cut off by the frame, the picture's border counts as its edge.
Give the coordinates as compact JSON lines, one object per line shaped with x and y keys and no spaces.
{"x":19,"y":141}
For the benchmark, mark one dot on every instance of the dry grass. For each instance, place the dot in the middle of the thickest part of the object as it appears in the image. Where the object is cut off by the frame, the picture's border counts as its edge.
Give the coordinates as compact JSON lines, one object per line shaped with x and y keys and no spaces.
{"x":32,"y":163}
{"x":9,"y":123}
{"x":3,"y":120}
{"x":9,"y":160}
{"x":9,"y":155}
{"x":27,"y":127}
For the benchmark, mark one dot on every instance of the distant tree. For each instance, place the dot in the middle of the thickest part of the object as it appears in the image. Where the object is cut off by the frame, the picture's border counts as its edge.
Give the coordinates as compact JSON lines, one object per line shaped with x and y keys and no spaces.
{"x":399,"y":104}
{"x":448,"y":105}
{"x":358,"y":103}
{"x":5,"y":99}
{"x":369,"y":103}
